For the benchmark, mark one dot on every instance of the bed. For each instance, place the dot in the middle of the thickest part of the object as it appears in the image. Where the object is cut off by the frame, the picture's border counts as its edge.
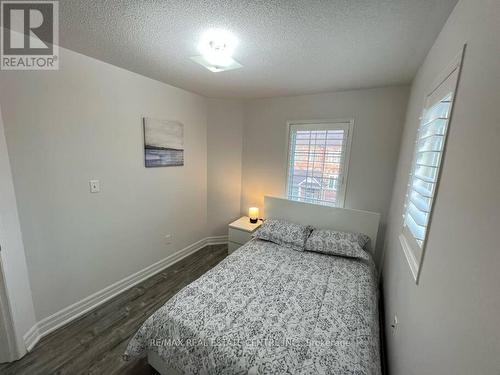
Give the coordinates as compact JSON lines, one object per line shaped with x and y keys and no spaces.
{"x":268,"y":309}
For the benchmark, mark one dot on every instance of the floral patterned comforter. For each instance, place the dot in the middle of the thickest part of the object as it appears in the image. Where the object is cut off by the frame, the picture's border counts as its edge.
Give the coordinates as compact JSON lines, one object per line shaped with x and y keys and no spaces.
{"x":267,"y":309}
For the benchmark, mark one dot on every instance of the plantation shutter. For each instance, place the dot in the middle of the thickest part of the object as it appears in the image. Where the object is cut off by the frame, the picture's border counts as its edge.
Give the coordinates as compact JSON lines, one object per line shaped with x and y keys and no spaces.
{"x":317,"y":162}
{"x":426,"y":166}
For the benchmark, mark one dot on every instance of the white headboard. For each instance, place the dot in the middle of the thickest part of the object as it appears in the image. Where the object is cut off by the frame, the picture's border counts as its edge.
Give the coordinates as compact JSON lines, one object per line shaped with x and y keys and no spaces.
{"x":324,"y":217}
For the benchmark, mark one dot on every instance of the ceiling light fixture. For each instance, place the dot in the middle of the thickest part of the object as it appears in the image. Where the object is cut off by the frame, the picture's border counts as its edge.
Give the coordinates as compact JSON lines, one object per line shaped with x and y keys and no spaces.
{"x":217,"y":47}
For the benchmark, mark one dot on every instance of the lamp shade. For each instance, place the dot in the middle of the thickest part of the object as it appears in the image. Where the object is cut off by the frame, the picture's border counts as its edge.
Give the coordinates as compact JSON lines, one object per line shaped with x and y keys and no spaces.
{"x":253,"y":214}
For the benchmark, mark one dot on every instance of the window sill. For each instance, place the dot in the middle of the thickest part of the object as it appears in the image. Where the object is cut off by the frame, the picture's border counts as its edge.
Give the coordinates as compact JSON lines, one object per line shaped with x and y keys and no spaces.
{"x":410,"y":258}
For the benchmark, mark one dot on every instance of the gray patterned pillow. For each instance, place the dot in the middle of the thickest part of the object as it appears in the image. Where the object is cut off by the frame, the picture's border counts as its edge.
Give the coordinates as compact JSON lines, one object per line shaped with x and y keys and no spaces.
{"x":337,"y":243}
{"x":284,"y":233}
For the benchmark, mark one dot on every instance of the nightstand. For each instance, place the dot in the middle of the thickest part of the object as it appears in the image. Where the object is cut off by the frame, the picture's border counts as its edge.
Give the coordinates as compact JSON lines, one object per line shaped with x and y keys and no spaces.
{"x":240,"y":232}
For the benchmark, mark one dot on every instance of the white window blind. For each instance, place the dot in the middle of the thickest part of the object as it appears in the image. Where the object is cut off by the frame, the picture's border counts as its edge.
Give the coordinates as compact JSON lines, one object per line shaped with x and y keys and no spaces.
{"x":317,"y":162}
{"x":426,"y":165}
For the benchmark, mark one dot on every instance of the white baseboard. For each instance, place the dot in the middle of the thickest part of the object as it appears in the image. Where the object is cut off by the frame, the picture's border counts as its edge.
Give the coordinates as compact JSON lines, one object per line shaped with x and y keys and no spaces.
{"x":74,"y":311}
{"x":216,"y":240}
{"x":31,"y":337}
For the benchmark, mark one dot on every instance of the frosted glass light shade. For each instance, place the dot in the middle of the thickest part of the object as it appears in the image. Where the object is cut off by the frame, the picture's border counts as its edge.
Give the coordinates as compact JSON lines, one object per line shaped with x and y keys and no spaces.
{"x":253,"y":214}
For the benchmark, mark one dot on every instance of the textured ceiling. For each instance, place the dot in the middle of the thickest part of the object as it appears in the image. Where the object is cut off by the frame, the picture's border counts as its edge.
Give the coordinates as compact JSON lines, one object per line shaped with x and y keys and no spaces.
{"x":286,"y":47}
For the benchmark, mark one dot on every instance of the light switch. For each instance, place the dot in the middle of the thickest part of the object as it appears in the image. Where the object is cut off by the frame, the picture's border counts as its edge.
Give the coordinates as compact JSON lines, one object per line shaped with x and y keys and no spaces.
{"x":95,"y":186}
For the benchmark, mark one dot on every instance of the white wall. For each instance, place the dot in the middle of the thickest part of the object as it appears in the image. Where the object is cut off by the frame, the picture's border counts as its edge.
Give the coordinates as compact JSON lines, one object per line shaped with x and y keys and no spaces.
{"x":378,"y":121}
{"x":84,"y":122}
{"x":17,"y":303}
{"x":224,"y":139}
{"x":450,"y":322}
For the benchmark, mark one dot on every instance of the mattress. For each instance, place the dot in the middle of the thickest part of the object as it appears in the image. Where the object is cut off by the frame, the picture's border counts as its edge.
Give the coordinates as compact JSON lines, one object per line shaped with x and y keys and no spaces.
{"x":267,"y":309}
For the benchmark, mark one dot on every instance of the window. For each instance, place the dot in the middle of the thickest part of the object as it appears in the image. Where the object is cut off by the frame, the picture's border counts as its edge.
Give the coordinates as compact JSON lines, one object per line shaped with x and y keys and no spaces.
{"x":318,"y":158}
{"x":426,"y":166}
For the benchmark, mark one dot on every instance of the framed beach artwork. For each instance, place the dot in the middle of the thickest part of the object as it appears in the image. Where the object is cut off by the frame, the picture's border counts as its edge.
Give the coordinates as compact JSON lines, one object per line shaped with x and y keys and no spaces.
{"x":163,"y":143}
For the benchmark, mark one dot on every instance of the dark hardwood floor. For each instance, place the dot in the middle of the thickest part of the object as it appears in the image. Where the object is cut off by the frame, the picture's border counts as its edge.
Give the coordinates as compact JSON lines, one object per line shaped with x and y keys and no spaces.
{"x":94,"y":343}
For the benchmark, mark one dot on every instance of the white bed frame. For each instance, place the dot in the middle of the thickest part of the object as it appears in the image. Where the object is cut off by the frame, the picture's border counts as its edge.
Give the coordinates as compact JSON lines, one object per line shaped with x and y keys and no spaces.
{"x":322,"y":217}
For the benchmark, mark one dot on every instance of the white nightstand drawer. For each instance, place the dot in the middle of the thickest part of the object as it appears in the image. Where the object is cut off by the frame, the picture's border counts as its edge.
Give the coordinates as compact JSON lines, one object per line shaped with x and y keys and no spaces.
{"x":232,"y":246}
{"x":239,"y":236}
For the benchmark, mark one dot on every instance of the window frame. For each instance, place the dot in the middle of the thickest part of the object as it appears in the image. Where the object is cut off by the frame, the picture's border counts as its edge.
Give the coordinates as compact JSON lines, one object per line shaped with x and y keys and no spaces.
{"x":328,"y":124}
{"x":413,"y":252}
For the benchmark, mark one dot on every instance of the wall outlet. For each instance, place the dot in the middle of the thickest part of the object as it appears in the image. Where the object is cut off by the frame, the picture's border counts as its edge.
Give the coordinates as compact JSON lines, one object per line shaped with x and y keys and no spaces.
{"x":168,"y":238}
{"x":95,"y":186}
{"x":394,"y":324}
